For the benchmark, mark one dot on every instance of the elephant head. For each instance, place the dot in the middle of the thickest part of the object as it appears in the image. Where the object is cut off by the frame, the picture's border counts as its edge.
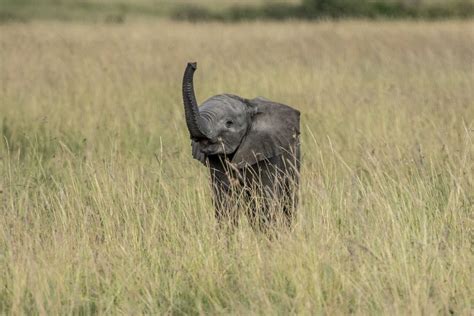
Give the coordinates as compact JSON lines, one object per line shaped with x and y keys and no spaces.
{"x":246,"y":131}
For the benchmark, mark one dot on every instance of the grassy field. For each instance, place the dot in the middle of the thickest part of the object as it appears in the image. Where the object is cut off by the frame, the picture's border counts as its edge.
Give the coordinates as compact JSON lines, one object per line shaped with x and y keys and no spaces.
{"x":119,"y":11}
{"x":104,"y":210}
{"x":113,"y":10}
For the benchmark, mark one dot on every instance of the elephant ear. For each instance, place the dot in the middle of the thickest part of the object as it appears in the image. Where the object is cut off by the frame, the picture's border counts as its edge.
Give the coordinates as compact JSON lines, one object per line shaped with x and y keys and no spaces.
{"x":274,"y":131}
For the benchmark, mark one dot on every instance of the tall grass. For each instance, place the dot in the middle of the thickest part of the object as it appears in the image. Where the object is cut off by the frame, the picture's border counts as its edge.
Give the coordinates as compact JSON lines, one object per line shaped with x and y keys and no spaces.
{"x":104,"y":210}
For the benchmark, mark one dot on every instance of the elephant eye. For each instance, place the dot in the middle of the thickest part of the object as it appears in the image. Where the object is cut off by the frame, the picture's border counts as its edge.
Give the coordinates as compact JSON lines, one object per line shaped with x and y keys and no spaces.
{"x":229,"y":124}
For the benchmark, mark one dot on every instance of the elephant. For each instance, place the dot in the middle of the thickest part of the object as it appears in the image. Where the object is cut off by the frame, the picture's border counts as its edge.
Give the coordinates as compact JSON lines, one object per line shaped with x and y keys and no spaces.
{"x":252,"y":150}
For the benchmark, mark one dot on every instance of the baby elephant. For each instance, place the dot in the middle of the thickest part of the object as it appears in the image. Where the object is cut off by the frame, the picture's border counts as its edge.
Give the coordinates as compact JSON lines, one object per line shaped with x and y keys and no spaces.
{"x":252,"y":150}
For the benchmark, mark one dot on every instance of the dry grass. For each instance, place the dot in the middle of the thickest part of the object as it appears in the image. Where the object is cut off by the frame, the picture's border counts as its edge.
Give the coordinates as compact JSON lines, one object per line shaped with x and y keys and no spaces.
{"x":103,"y":209}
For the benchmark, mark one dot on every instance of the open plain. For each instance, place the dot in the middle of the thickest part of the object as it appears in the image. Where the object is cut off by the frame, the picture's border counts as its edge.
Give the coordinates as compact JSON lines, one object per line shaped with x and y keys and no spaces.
{"x":104,"y":210}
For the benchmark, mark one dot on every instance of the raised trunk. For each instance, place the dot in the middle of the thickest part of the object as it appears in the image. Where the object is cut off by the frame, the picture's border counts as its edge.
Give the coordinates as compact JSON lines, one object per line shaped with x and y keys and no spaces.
{"x":193,"y":120}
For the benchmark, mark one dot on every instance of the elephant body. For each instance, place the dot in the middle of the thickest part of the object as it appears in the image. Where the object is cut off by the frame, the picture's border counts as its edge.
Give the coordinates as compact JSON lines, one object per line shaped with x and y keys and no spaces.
{"x":267,"y":186}
{"x":252,"y":149}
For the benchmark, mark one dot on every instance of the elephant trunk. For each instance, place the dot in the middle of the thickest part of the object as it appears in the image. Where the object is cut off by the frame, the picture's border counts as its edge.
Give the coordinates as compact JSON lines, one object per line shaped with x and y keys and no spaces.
{"x":193,"y":119}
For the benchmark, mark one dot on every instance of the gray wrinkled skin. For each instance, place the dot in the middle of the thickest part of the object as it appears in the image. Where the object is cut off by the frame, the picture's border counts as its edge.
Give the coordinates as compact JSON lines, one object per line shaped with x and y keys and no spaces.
{"x":226,"y":120}
{"x":252,"y":150}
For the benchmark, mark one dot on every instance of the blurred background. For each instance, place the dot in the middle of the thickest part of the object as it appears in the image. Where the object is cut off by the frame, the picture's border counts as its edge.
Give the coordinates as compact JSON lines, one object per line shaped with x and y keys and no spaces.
{"x":118,"y":11}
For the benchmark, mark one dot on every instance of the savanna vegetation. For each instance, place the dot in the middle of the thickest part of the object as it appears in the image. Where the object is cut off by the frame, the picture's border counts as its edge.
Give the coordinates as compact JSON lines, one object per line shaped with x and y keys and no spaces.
{"x":119,"y":11}
{"x":103,"y":209}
